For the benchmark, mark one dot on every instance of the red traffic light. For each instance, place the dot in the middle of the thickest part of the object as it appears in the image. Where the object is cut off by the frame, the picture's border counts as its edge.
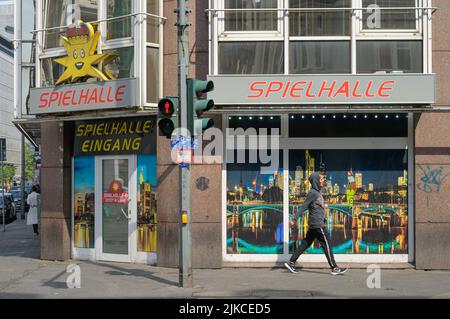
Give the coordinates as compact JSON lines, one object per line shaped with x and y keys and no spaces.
{"x":166,"y":107}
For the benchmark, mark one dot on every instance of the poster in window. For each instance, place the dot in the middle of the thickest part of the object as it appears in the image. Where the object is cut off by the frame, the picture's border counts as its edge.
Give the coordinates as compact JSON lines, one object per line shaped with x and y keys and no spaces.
{"x":146,"y":203}
{"x":84,"y":201}
{"x":254,"y":209}
{"x":366,"y":199}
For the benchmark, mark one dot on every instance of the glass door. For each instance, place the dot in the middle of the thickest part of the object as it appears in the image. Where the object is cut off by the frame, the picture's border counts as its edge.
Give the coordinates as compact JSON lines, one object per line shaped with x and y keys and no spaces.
{"x":115,"y":200}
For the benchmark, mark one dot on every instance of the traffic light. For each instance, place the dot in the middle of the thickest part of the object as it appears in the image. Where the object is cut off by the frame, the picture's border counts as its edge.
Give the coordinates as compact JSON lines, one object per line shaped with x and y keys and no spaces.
{"x":197,"y":104}
{"x":167,"y":122}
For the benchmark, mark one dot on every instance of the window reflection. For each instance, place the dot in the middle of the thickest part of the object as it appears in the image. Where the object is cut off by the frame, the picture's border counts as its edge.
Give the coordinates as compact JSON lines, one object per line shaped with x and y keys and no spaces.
{"x":250,"y":20}
{"x":403,"y":56}
{"x":123,"y":65}
{"x":87,"y":9}
{"x":50,"y":71}
{"x":251,"y":58}
{"x":54,"y":15}
{"x":152,"y":74}
{"x":390,"y":19}
{"x":119,"y":28}
{"x":320,"y":23}
{"x":153,"y":22}
{"x":320,"y":57}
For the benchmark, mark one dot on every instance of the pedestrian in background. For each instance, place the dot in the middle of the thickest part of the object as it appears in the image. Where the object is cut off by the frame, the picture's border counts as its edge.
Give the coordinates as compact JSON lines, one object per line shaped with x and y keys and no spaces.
{"x":34,"y":200}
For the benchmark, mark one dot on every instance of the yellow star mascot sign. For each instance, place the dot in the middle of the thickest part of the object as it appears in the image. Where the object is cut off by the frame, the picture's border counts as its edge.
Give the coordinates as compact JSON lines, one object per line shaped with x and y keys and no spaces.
{"x":81,"y":60}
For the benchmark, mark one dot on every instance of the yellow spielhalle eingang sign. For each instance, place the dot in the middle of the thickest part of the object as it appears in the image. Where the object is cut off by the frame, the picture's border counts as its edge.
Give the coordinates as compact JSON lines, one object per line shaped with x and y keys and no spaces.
{"x":81,"y":60}
{"x":134,"y":135}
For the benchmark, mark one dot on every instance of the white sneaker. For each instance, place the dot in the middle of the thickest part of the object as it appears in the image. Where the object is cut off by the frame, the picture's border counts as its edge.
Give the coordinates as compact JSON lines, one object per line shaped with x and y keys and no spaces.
{"x":291,"y":267}
{"x":338,"y":271}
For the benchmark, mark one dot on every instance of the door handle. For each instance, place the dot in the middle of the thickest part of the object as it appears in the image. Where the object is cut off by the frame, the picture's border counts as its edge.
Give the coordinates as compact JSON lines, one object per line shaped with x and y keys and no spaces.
{"x":127,"y":216}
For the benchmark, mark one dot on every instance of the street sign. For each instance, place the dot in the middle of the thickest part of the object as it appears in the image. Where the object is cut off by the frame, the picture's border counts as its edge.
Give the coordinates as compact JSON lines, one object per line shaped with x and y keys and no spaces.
{"x":183,"y":142}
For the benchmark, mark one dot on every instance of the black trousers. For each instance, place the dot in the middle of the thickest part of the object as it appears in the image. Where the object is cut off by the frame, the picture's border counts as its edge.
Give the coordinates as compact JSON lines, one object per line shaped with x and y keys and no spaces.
{"x":35,"y":228}
{"x":323,"y":238}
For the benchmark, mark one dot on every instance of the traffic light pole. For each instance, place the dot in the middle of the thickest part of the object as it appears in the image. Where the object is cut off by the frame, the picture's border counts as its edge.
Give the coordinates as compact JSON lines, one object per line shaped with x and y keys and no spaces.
{"x":185,"y":247}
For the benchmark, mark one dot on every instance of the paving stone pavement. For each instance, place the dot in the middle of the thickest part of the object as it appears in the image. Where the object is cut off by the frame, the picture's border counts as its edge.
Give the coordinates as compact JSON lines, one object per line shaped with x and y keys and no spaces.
{"x":23,"y":275}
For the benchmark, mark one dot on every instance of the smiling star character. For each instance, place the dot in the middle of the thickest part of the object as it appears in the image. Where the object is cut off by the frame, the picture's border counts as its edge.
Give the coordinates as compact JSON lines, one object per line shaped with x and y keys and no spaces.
{"x":81,"y":60}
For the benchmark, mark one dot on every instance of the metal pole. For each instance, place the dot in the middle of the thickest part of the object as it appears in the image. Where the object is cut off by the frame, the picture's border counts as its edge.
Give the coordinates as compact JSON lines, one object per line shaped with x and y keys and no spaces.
{"x":22,"y":181}
{"x":185,"y":251}
{"x":3,"y":184}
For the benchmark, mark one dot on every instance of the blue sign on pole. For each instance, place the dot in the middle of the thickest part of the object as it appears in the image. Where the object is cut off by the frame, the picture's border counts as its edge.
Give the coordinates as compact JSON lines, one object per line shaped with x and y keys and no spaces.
{"x":183,"y":143}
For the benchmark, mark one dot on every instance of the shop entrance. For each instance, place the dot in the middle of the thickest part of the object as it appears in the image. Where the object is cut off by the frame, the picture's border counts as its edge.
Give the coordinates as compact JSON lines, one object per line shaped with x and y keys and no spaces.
{"x":116,"y":220}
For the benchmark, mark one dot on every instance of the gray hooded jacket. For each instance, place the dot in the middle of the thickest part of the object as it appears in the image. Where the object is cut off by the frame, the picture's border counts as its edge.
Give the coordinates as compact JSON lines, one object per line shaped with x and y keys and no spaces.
{"x":314,"y":203}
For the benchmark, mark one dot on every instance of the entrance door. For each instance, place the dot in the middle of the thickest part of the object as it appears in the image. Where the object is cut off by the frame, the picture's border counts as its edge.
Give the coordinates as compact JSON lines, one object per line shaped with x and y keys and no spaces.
{"x":115,"y":203}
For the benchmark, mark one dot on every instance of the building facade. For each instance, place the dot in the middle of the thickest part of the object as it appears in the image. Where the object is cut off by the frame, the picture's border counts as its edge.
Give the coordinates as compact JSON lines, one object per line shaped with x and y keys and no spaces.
{"x":7,"y":129}
{"x":354,"y":89}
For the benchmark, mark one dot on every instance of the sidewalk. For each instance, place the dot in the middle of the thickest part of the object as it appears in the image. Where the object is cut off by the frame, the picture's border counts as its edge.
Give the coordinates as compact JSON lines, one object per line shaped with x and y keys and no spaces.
{"x":24,"y":276}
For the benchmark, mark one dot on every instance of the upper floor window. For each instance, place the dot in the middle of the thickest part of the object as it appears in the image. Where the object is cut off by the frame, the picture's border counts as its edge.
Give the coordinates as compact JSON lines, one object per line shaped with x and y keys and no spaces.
{"x":153,"y":22}
{"x":377,"y":15}
{"x":60,"y":13}
{"x":253,"y":57}
{"x":54,"y":15}
{"x":332,"y":21}
{"x":390,"y":56}
{"x":319,"y":57}
{"x":121,"y":27}
{"x":319,"y":36}
{"x":258,"y":20}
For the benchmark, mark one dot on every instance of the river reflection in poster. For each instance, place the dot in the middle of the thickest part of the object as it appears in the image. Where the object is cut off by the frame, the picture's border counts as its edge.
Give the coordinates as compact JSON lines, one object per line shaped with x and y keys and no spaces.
{"x":254,"y":210}
{"x":365,"y":197}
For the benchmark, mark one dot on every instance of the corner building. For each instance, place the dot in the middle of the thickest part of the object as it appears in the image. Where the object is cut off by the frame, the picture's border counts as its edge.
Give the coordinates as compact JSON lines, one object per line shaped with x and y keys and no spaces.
{"x":355,"y":89}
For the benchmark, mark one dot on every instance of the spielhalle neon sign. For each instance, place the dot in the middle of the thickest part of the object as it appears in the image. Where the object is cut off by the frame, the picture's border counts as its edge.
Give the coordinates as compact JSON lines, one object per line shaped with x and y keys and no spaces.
{"x":316,"y":89}
{"x":329,"y":89}
{"x":72,"y":92}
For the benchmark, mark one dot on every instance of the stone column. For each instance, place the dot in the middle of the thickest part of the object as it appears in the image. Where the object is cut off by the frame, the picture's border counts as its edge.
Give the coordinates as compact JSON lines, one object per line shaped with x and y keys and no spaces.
{"x":206,"y":178}
{"x":432,"y":157}
{"x":56,"y":183}
{"x":432,"y":191}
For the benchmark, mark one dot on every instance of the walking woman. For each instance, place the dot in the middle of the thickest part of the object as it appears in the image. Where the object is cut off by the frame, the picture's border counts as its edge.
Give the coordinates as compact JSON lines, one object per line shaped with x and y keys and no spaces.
{"x":34,"y":200}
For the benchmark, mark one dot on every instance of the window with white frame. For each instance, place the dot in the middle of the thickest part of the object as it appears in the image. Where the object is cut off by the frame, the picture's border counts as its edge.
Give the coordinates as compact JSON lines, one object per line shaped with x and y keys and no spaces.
{"x":122,"y":66}
{"x":252,"y":57}
{"x":377,"y":15}
{"x":153,"y":50}
{"x":258,"y":20}
{"x":390,"y":56}
{"x":120,"y":25}
{"x":366,"y":175}
{"x":54,"y":15}
{"x":319,"y":36}
{"x":332,"y":18}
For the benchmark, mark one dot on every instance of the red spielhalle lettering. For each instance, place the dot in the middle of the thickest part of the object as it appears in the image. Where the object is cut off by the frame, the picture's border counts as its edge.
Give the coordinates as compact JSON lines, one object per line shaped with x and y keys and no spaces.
{"x":253,"y":88}
{"x":313,"y":90}
{"x":84,"y":97}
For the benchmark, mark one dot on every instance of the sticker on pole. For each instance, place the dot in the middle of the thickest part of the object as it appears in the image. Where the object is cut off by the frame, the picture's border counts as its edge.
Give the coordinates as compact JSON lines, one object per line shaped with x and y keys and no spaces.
{"x":184,"y":157}
{"x":183,"y":142}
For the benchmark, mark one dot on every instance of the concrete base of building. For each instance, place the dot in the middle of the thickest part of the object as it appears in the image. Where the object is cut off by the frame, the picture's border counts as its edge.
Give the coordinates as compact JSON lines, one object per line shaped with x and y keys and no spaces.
{"x":317,"y":265}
